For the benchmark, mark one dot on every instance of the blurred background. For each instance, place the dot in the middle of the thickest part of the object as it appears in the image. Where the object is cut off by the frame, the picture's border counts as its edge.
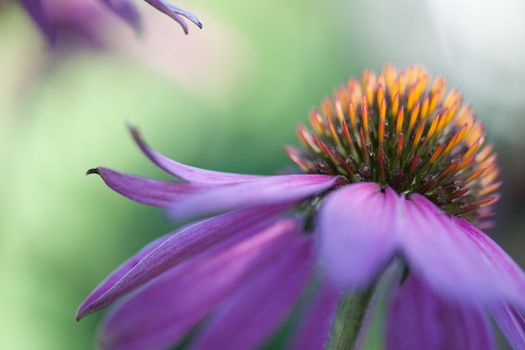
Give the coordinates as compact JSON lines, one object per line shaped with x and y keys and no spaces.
{"x":226,"y":97}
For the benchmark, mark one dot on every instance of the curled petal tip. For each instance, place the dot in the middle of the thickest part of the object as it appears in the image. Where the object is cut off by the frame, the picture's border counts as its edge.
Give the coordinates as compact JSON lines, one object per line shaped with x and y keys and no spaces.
{"x":133,"y":130}
{"x":194,"y":20}
{"x":92,"y":171}
{"x":178,"y":14}
{"x":135,"y":133}
{"x":197,"y":22}
{"x":130,"y":125}
{"x":80,"y":314}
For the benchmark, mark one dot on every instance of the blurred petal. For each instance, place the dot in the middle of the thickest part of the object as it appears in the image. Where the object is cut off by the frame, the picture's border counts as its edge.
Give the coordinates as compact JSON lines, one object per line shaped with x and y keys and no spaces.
{"x":186,"y":172}
{"x":265,"y":300}
{"x":444,"y":254}
{"x":176,"y":13}
{"x":268,"y":190}
{"x":127,"y":11}
{"x":36,"y":10}
{"x":143,"y":190}
{"x":77,"y":24}
{"x":173,"y":303}
{"x":179,"y":246}
{"x":357,"y":233}
{"x":512,"y":324}
{"x":419,"y":319}
{"x":511,"y":278}
{"x":315,"y":325}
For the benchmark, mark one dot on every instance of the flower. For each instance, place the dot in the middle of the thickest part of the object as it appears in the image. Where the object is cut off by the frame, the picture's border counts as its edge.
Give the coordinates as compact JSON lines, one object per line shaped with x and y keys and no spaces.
{"x":397,"y":177}
{"x":54,"y":17}
{"x":70,"y":22}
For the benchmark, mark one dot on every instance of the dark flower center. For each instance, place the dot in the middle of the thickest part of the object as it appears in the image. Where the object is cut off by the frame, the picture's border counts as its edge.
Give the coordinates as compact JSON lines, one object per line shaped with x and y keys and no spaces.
{"x":397,"y":130}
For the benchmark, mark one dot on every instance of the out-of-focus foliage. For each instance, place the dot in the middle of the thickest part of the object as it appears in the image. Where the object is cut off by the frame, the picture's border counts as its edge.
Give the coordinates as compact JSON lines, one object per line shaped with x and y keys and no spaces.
{"x":227,"y":97}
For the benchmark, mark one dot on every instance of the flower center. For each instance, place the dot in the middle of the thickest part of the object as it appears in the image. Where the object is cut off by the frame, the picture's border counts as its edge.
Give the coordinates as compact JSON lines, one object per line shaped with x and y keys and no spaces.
{"x":398,"y":130}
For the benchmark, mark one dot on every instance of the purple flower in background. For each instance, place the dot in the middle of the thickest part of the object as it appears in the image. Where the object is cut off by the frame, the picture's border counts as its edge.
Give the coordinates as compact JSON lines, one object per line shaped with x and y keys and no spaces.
{"x":55,"y":17}
{"x":396,"y":174}
{"x":70,"y":23}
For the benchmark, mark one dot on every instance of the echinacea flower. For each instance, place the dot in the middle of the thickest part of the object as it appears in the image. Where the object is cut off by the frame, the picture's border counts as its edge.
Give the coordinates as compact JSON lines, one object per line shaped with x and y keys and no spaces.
{"x":396,"y":173}
{"x":51,"y":15}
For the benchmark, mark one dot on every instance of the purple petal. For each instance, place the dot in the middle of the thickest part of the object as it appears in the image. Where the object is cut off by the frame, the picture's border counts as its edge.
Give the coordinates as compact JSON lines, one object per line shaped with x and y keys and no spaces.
{"x":120,"y":272}
{"x":357,"y":233}
{"x":316,"y":323}
{"x":512,"y":324}
{"x":179,"y":246}
{"x":259,"y":307}
{"x":143,"y":190}
{"x":160,"y":314}
{"x":510,"y":277}
{"x":127,"y":11}
{"x":186,"y":172}
{"x":35,"y":8}
{"x":76,"y":23}
{"x":419,"y":319}
{"x":268,"y":190}
{"x":175,"y":12}
{"x":443,"y":253}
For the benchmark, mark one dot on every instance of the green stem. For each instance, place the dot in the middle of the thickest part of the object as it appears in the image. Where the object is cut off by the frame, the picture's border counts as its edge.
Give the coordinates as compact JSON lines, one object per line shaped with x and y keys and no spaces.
{"x":349,"y":319}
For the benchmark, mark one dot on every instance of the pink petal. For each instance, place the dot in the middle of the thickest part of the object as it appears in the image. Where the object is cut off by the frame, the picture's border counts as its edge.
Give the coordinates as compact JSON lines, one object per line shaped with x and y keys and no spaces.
{"x":357,"y":234}
{"x":510,"y":277}
{"x":143,"y":190}
{"x":268,"y":190}
{"x":186,"y":172}
{"x":315,"y":325}
{"x":259,"y":307}
{"x":418,"y":318}
{"x":440,"y":251}
{"x":179,"y":246}
{"x":512,"y":324}
{"x":160,"y":314}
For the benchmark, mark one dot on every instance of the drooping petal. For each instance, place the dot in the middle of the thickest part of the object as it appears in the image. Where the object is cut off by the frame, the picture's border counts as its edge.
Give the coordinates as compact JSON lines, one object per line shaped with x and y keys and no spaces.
{"x":179,"y":246}
{"x":144,"y":190}
{"x":440,"y":251}
{"x":259,"y":307}
{"x":176,"y":13}
{"x":186,"y":172}
{"x":512,"y":324}
{"x":35,"y":8}
{"x":510,"y":277}
{"x":315,"y":325}
{"x":357,"y":234}
{"x":127,"y":11}
{"x":160,"y":314}
{"x":418,"y":318}
{"x":268,"y":190}
{"x":120,"y":272}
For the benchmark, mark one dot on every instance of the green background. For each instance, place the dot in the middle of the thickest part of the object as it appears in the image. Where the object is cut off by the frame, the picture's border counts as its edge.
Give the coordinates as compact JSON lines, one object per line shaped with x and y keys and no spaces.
{"x":227,"y":97}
